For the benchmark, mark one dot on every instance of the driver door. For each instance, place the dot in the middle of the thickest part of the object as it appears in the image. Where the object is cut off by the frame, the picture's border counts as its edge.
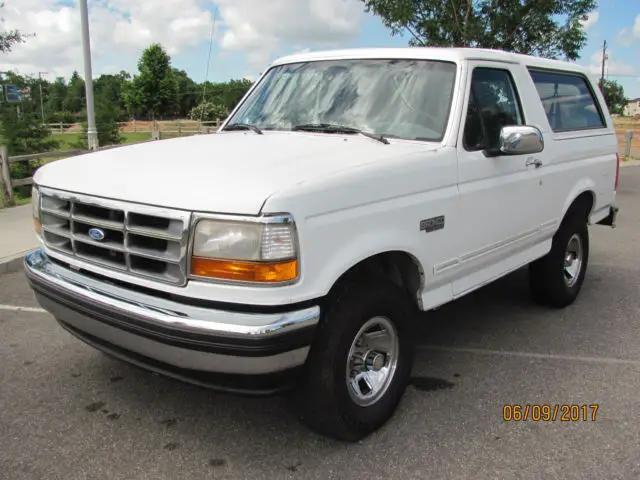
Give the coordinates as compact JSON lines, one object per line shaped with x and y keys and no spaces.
{"x":496,"y":192}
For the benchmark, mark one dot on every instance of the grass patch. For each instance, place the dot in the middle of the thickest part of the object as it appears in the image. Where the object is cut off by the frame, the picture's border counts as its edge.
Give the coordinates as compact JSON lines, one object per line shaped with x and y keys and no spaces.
{"x":67,"y":140}
{"x":17,"y":199}
{"x":169,"y":135}
{"x":131,"y":137}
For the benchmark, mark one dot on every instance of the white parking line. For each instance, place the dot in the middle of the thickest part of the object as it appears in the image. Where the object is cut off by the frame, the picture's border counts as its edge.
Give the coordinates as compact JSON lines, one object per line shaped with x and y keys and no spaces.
{"x":540,"y":356}
{"x":15,"y":308}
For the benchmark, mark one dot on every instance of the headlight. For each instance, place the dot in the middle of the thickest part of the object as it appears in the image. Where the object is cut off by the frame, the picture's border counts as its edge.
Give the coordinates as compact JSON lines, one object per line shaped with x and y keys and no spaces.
{"x":261,"y":251}
{"x":35,"y":208}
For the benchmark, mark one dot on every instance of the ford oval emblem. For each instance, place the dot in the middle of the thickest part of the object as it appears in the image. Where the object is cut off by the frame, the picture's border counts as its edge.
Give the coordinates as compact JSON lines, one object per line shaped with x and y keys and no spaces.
{"x":97,"y":234}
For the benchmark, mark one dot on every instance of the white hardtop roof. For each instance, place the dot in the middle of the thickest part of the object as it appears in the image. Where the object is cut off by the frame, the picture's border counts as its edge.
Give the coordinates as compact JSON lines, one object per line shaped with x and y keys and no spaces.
{"x":451,"y":54}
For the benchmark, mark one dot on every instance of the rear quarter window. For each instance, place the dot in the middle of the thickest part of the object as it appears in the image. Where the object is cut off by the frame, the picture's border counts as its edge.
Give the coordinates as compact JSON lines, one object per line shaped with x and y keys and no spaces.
{"x":568,"y":101}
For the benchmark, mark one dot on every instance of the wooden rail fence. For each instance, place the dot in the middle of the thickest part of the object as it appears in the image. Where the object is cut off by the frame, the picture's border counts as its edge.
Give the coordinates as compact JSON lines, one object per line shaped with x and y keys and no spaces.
{"x":141,"y":126}
{"x":7,"y":184}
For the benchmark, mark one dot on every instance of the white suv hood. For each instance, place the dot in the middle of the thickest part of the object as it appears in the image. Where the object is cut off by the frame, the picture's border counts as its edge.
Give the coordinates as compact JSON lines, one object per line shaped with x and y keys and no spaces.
{"x":229,"y":172}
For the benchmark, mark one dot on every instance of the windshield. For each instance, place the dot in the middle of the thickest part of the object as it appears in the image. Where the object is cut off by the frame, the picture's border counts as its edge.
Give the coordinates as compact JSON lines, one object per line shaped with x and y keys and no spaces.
{"x":395,"y":98}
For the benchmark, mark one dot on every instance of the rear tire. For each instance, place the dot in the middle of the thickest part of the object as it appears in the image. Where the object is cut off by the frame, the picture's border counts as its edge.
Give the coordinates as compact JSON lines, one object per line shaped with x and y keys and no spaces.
{"x":366,"y":334}
{"x":556,"y":279}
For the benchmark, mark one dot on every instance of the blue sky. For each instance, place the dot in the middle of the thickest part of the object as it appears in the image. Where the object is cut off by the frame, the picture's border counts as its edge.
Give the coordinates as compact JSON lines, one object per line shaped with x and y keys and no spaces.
{"x":250,"y":34}
{"x":615,"y":24}
{"x":224,"y":65}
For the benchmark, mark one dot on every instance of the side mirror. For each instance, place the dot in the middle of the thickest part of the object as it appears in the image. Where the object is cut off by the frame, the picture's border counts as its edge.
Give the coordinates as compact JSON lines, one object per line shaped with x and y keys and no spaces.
{"x":520,"y":140}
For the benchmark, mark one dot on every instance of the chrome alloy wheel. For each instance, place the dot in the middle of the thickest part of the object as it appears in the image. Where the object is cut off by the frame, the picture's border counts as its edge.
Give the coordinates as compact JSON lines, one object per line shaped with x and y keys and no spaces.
{"x":372,"y":361}
{"x":573,"y":260}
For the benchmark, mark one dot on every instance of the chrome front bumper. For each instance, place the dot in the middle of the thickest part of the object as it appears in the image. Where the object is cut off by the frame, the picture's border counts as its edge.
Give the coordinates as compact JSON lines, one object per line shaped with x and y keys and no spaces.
{"x":173,"y":337}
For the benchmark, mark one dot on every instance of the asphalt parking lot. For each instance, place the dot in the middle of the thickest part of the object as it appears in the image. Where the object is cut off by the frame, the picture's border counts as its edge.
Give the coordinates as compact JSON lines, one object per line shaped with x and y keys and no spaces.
{"x":69,"y":412}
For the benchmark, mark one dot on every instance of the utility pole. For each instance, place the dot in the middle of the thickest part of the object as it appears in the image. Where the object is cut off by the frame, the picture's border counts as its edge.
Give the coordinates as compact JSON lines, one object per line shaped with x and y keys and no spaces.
{"x":92,"y":132}
{"x":41,"y":97}
{"x":2,"y":91}
{"x":604,"y":58}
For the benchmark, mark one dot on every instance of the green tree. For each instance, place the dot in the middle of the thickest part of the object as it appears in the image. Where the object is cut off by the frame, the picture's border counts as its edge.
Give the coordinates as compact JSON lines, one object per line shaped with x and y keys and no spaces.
{"x":187,"y":93}
{"x":10,"y":38}
{"x":158,"y":91}
{"x":235,"y":90}
{"x":75,"y":99}
{"x":208,"y":112}
{"x":30,"y":104}
{"x":24,"y":134}
{"x":111,"y":89}
{"x":153,"y":91}
{"x":613,"y":95}
{"x":56,"y":97}
{"x":107,"y":116}
{"x":226,"y":93}
{"x":546,"y":28}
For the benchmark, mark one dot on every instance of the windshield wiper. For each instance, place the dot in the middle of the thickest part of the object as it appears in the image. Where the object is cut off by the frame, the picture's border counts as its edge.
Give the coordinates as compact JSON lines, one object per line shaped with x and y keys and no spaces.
{"x":243,"y":126}
{"x":330,"y":128}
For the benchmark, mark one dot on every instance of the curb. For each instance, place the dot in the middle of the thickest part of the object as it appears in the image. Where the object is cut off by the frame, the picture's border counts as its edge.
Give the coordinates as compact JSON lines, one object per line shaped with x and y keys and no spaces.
{"x":12,"y":264}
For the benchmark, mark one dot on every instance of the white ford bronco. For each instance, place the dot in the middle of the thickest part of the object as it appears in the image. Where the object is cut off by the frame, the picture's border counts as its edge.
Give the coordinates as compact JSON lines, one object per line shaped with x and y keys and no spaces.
{"x":347,"y":192}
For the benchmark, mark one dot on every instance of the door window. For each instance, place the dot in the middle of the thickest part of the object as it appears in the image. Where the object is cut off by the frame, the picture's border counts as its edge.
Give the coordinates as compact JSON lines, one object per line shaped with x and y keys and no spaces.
{"x":493,"y":104}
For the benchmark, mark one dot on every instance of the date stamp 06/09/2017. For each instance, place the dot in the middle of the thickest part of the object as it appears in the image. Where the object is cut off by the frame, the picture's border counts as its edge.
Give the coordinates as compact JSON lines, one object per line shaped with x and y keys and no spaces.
{"x":549,"y":412}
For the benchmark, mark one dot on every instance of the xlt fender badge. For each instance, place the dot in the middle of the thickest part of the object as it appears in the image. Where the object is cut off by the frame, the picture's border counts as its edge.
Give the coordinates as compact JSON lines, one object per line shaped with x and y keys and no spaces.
{"x":432,"y":224}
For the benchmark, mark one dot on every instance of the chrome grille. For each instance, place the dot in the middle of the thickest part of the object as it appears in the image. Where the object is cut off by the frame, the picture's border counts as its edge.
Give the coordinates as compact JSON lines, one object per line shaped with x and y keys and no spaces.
{"x":145,"y":241}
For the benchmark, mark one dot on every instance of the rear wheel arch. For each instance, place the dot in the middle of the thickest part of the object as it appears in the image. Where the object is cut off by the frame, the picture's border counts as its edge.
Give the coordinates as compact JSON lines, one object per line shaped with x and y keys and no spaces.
{"x":582,"y":201}
{"x":556,"y":279}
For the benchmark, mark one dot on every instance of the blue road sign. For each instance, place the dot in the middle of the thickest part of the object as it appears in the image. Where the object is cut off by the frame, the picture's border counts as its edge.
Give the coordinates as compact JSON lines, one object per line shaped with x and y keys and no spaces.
{"x":12,"y":94}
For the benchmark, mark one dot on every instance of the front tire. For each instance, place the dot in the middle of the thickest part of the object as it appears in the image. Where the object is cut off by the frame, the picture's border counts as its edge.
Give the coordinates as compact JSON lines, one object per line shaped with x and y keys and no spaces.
{"x":359,"y":364}
{"x":557,"y":278}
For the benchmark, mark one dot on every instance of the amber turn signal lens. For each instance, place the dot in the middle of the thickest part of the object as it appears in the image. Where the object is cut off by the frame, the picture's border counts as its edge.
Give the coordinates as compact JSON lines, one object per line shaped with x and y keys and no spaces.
{"x":37,"y":225}
{"x":245,"y":271}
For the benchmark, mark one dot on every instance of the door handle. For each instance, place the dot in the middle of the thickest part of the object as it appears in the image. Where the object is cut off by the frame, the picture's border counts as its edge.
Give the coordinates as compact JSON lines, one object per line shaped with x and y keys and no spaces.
{"x":533,"y":161}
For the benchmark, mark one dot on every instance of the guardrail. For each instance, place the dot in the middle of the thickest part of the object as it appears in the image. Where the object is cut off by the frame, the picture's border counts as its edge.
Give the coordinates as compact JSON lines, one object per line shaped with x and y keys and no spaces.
{"x":7,"y":184}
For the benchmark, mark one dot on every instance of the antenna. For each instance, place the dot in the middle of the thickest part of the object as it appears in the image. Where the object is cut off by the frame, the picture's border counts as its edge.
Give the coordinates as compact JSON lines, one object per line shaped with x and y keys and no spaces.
{"x":206,"y":76}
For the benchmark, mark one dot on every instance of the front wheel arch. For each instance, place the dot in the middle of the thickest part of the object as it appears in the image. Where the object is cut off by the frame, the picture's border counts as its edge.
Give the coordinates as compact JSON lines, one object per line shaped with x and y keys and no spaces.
{"x":401,"y":268}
